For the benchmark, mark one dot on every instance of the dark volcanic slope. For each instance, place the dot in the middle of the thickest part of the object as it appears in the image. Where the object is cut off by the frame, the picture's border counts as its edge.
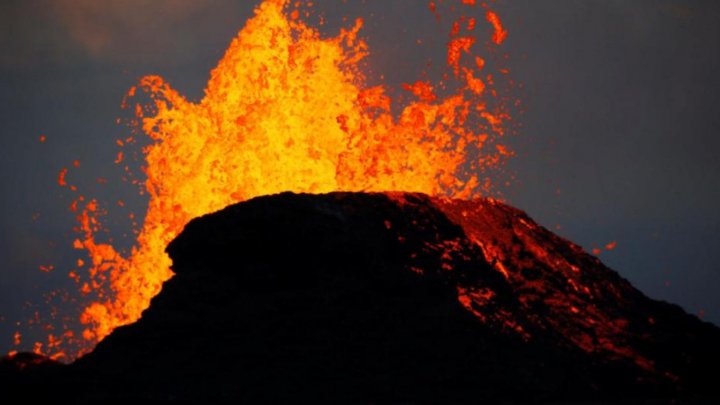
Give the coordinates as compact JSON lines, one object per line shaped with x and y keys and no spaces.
{"x":392,"y":297}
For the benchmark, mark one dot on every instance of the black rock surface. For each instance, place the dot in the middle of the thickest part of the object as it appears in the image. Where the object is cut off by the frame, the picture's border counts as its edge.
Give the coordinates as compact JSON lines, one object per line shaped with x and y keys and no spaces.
{"x":388,"y":297}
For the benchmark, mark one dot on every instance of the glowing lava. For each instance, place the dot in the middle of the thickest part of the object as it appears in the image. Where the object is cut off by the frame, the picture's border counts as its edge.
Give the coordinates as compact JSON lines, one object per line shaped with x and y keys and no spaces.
{"x":286,"y":109}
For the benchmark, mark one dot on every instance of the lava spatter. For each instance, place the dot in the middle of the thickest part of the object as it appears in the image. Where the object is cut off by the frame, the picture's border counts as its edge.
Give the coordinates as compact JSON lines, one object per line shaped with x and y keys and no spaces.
{"x":287,"y":109}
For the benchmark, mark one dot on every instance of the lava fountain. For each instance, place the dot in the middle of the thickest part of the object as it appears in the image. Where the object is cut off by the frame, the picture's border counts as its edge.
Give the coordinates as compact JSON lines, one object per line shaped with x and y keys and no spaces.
{"x":287,"y":109}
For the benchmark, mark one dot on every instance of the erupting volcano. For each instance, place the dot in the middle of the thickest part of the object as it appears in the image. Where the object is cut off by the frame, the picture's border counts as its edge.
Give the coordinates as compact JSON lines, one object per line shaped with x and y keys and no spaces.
{"x":390,"y":280}
{"x":384,"y":297}
{"x":287,"y":110}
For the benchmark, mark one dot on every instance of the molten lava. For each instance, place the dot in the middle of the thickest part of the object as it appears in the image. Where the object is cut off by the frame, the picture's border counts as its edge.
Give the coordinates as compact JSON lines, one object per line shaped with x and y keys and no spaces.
{"x":286,"y":109}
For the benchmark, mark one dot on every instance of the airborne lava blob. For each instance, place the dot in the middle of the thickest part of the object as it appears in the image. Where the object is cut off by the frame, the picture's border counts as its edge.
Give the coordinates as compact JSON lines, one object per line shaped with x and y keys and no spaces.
{"x":286,"y":109}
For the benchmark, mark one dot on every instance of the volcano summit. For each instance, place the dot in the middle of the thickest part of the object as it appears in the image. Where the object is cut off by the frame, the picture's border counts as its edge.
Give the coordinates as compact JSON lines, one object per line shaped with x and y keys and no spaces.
{"x":390,"y":297}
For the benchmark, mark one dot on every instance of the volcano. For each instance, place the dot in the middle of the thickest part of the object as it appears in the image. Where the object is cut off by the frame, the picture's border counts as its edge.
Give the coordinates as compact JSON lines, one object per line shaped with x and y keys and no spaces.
{"x":384,"y":297}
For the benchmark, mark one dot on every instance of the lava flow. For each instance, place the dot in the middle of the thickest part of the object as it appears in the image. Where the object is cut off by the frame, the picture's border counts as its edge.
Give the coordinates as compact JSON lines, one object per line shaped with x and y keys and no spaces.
{"x":288,"y":109}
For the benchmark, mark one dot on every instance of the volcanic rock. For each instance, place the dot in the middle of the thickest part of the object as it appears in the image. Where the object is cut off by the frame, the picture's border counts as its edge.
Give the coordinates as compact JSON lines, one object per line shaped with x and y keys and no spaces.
{"x":392,"y":297}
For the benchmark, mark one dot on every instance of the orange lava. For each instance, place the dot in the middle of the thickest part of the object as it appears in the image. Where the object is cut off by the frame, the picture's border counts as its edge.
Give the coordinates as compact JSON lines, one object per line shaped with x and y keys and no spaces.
{"x":286,"y":109}
{"x":564,"y":297}
{"x":500,"y":33}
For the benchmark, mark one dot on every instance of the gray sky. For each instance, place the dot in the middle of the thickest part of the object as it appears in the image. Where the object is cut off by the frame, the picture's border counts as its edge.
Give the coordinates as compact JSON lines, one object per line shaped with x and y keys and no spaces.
{"x":619,"y":138}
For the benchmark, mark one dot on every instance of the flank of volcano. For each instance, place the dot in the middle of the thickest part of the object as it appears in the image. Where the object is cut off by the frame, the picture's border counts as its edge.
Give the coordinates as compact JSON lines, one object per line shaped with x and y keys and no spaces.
{"x":386,"y":297}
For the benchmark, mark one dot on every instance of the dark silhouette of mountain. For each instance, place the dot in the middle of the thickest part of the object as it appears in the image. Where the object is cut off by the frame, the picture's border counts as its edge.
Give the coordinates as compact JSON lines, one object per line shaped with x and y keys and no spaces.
{"x":385,"y":297}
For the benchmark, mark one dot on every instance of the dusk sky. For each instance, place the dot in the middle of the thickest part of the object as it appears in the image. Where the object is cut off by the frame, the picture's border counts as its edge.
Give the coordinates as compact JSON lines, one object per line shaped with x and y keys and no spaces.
{"x":618,"y":140}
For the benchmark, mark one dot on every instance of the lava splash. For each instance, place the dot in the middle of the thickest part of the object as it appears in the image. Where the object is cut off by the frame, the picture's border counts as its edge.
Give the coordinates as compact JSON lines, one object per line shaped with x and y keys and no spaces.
{"x":287,"y":109}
